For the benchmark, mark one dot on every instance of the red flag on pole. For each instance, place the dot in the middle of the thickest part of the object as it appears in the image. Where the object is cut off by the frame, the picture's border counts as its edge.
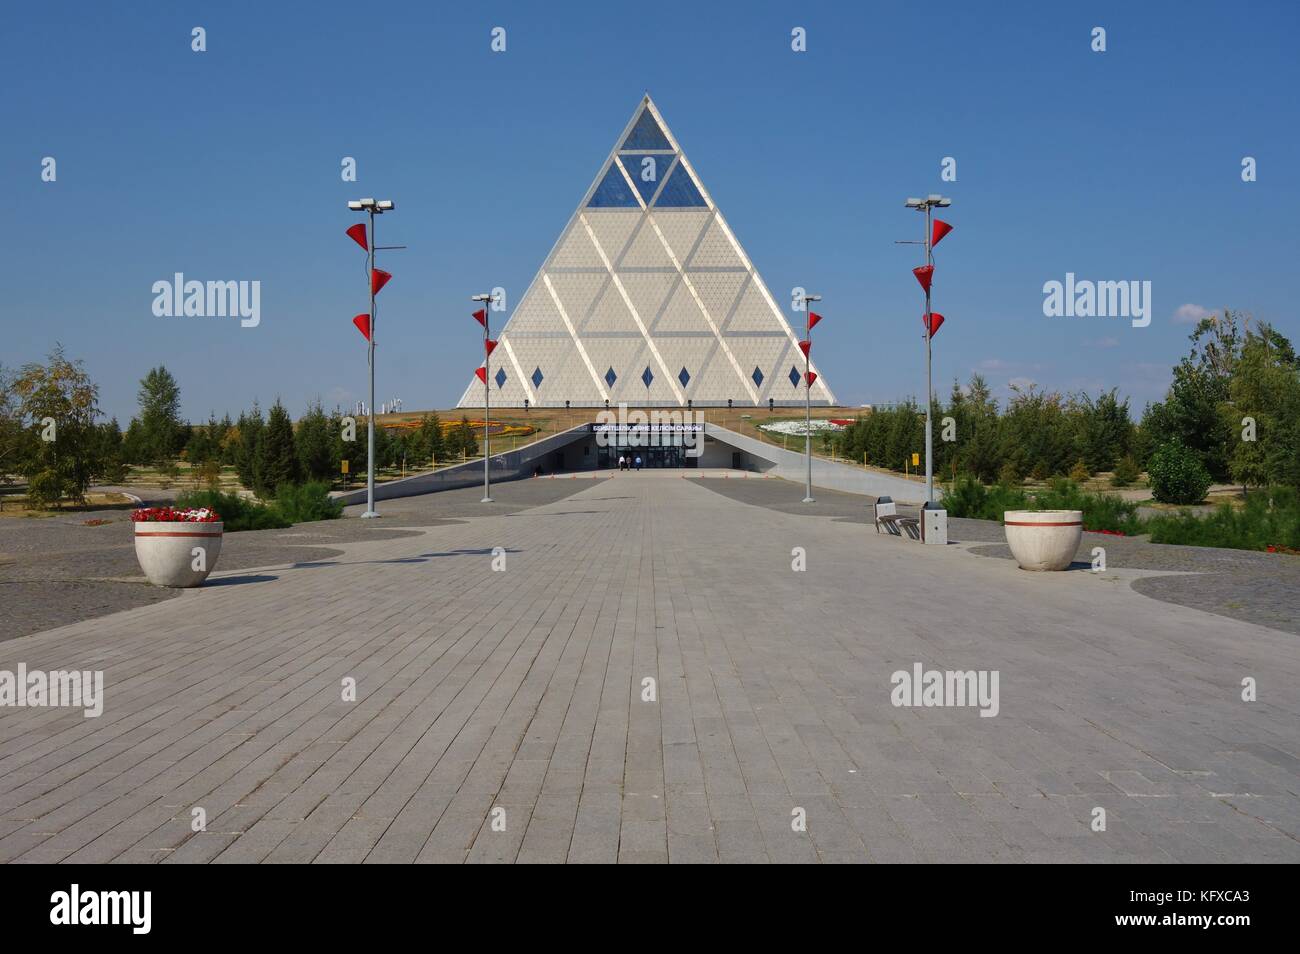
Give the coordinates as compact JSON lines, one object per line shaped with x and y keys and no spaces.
{"x":805,"y":347}
{"x":936,"y":320}
{"x":923,"y":275}
{"x":811,"y":376}
{"x":363,"y":325}
{"x":358,"y":234}
{"x":938,"y":230}
{"x":378,"y":279}
{"x":481,"y":372}
{"x":490,"y":345}
{"x":481,"y":317}
{"x":813,"y":318}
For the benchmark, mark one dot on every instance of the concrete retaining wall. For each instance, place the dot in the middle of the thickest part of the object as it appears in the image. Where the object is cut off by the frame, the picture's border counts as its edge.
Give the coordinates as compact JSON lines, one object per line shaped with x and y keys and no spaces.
{"x":825,"y":473}
{"x":511,"y":465}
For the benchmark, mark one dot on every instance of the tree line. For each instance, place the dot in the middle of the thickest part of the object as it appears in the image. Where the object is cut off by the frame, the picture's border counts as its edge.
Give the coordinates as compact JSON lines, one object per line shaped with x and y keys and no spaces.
{"x":51,"y":435}
{"x":1232,"y":414}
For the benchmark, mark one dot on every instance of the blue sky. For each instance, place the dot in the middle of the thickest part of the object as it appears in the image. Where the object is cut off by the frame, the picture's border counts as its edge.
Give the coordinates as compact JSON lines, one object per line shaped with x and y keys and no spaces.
{"x":225,"y":165}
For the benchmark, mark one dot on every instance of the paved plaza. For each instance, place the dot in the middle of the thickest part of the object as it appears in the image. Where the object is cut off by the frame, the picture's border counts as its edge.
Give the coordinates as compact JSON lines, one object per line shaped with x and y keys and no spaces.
{"x":505,"y":714}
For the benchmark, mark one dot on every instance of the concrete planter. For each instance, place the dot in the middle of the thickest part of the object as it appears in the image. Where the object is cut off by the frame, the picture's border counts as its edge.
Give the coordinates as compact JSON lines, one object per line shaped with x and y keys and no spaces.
{"x":1043,"y":539}
{"x":166,"y":551}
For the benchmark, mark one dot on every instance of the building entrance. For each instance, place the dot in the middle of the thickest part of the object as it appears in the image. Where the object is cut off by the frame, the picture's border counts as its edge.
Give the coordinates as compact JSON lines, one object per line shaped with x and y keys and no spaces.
{"x":607,"y":457}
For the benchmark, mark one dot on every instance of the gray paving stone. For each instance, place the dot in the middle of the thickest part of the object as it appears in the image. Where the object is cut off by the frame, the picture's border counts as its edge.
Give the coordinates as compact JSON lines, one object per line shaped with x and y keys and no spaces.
{"x":522,"y":690}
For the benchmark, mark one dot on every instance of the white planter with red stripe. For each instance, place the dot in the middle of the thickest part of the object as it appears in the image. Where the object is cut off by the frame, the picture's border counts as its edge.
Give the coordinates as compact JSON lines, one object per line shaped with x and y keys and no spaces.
{"x":1043,"y":539}
{"x":177,"y":553}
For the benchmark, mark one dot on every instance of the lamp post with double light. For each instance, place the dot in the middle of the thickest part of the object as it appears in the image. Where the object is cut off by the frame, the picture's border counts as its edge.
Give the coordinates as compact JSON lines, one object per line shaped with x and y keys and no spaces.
{"x":488,"y":345}
{"x":808,"y":378}
{"x":377,"y":279}
{"x":932,"y":320}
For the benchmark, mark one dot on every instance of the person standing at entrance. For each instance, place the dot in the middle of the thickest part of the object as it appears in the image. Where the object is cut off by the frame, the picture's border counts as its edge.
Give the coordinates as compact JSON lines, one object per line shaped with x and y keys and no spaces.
{"x":638,"y":461}
{"x":621,"y":462}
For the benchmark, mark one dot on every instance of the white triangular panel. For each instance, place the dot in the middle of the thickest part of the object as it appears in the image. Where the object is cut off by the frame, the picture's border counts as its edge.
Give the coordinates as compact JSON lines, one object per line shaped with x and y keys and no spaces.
{"x":646,"y":278}
{"x":681,"y":229}
{"x":576,"y":251}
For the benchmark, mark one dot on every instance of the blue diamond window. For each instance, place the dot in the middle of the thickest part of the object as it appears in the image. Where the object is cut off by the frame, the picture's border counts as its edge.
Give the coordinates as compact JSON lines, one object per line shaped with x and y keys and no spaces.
{"x":683,"y":377}
{"x":610,"y":377}
{"x":794,"y":376}
{"x":647,"y":376}
{"x":537,"y":377}
{"x":758,"y":377}
{"x":500,"y":377}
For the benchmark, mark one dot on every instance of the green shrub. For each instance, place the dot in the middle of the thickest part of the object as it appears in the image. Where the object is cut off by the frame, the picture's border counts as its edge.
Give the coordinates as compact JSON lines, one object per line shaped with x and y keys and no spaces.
{"x":1177,"y":475}
{"x":303,"y":503}
{"x":1126,"y":472}
{"x":1100,"y":511}
{"x":1079,"y":472}
{"x":1269,"y":518}
{"x":969,"y":498}
{"x":237,"y":513}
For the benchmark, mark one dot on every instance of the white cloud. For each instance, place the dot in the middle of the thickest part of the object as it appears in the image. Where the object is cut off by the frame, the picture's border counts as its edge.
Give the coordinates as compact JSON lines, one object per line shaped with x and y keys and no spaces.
{"x":1105,"y":343}
{"x":1189,"y":314}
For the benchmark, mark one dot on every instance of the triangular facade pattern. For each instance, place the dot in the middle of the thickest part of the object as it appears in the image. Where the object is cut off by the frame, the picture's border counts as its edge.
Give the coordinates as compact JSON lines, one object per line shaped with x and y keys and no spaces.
{"x":647,"y":298}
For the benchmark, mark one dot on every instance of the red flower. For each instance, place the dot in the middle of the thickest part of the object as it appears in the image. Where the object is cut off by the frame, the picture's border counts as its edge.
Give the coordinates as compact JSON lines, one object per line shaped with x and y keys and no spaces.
{"x":171,"y":515}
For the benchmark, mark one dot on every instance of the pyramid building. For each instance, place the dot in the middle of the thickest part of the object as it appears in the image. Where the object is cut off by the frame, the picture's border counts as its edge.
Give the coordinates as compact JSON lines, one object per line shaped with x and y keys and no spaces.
{"x":647,"y":298}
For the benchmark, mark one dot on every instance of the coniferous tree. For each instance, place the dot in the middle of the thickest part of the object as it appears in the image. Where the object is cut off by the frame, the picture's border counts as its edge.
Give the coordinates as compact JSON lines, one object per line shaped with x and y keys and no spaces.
{"x":277,"y":457}
{"x":315,"y":445}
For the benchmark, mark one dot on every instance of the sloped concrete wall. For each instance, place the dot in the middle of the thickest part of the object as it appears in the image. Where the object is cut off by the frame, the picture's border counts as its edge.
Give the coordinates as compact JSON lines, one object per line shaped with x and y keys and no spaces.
{"x":511,"y":465}
{"x":825,"y":473}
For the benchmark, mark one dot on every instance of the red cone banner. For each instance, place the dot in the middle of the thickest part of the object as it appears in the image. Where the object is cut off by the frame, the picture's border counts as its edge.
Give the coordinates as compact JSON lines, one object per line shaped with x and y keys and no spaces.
{"x":923,"y":275}
{"x":805,"y":347}
{"x":358,"y":234}
{"x":482,"y":374}
{"x":936,"y":320}
{"x":490,"y":345}
{"x":938,"y":230}
{"x":378,"y":279}
{"x":813,"y":318}
{"x":812,"y":377}
{"x":481,"y":317}
{"x":363,"y":325}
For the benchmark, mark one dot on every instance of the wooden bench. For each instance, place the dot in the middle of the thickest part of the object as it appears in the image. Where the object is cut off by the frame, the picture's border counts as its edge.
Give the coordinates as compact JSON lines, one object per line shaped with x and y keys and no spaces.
{"x":887,"y":515}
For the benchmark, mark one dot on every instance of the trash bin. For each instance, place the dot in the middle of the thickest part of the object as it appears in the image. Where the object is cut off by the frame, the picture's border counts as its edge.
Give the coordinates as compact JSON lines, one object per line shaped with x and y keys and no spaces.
{"x":934,"y":524}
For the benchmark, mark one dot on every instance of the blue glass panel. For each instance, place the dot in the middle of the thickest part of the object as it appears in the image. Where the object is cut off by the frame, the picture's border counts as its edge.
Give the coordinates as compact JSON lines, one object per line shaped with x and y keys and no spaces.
{"x":683,"y":377}
{"x":794,"y":376}
{"x":638,"y":167}
{"x":537,"y":377}
{"x":647,"y":377}
{"x":646,"y":134}
{"x":613,"y":193}
{"x":500,"y":377}
{"x":679,"y":191}
{"x":758,"y":377}
{"x":610,"y":377}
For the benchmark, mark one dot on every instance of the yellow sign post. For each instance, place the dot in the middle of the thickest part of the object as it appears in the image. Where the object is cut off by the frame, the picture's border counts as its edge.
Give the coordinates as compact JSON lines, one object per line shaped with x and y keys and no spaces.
{"x":916,"y":460}
{"x":345,"y":466}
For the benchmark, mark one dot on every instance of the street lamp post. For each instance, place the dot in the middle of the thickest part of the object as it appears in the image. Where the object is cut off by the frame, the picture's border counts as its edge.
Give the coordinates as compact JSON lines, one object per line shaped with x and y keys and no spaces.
{"x":486,"y":301}
{"x":926,"y":205}
{"x":374,"y":208}
{"x":807,"y":397}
